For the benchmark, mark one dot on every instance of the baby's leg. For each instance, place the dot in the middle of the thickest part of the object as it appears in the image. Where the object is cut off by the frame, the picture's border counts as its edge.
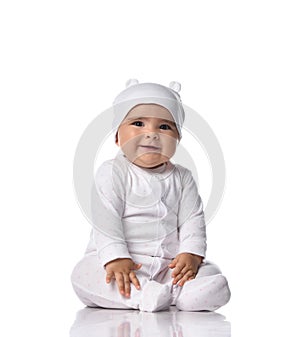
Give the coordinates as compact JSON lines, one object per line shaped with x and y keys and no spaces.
{"x":208,"y":291}
{"x":89,"y":282}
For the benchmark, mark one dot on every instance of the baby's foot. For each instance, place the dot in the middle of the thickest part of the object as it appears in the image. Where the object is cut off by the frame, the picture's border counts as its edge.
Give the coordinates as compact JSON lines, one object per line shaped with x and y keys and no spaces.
{"x":207,"y":293}
{"x":155,"y":297}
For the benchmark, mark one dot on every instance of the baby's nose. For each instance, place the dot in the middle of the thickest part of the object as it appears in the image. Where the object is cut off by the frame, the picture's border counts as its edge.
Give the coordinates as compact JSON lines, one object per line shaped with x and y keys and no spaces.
{"x":152,"y":135}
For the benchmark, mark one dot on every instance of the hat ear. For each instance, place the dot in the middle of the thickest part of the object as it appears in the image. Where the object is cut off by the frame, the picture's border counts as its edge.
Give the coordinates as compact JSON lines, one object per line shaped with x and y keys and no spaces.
{"x":176,"y":86}
{"x":131,"y":82}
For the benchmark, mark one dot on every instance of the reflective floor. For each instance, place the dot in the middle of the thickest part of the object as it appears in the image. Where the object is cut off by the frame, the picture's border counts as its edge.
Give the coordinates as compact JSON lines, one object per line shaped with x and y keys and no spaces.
{"x":92,"y":322}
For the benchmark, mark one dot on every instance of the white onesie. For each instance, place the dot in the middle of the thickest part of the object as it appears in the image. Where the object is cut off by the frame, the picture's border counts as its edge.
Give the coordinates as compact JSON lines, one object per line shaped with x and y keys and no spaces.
{"x":150,"y":216}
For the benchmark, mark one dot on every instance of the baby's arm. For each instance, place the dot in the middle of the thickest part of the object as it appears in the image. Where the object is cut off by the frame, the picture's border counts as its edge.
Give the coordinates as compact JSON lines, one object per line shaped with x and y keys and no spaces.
{"x":122,"y":270}
{"x":191,"y":232}
{"x":108,"y":236}
{"x":185,"y":267}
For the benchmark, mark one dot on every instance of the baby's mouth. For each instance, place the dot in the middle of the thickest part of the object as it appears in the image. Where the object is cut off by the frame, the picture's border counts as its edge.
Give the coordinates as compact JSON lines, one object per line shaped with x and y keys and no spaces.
{"x":149,"y":148}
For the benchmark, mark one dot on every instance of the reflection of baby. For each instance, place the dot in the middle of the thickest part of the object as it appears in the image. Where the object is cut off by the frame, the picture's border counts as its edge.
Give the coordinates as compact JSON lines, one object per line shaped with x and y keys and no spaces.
{"x":148,"y":243}
{"x":91,"y":322}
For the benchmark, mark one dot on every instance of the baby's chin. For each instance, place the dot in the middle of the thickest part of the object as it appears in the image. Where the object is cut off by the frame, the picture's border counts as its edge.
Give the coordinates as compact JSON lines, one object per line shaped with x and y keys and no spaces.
{"x":151,"y":160}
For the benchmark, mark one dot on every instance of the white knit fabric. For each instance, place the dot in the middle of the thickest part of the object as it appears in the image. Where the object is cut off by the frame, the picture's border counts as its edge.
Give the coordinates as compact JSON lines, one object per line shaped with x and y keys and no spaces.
{"x":149,"y":93}
{"x":150,"y":216}
{"x":153,"y":212}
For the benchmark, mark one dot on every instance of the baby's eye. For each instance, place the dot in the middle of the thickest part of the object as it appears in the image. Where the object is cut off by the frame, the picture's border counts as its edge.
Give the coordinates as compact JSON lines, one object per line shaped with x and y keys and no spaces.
{"x":165,"y":127}
{"x":138,"y":123}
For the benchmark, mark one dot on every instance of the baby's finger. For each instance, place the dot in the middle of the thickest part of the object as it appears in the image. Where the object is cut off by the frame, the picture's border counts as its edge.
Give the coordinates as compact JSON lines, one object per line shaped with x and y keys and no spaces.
{"x":177,"y":270}
{"x":109,"y":277}
{"x":186,"y":277}
{"x":120,"y":283}
{"x":177,"y":278}
{"x":137,"y":266}
{"x":186,"y":269}
{"x":183,"y":275}
{"x":127,"y":284}
{"x":173,"y":264}
{"x":135,"y":280}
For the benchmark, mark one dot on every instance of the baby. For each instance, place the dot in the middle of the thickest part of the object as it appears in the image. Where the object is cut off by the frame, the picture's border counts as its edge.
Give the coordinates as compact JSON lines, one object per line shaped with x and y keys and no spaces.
{"x":148,"y":242}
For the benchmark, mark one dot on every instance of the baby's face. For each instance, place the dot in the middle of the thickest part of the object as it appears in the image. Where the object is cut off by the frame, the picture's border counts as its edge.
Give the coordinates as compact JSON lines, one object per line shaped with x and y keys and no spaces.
{"x":148,"y":135}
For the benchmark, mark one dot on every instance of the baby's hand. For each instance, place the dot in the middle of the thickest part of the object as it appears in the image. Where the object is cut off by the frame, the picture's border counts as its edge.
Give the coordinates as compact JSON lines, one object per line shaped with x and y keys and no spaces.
{"x":186,"y":267}
{"x":122,"y":270}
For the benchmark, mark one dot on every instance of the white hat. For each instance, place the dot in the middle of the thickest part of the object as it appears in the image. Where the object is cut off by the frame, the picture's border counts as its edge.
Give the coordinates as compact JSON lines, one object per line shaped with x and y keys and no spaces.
{"x":149,"y":93}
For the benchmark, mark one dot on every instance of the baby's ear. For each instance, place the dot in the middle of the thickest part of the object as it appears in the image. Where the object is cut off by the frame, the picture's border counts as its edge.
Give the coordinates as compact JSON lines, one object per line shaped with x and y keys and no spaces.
{"x":117,"y":139}
{"x":176,"y":86}
{"x":131,"y":82}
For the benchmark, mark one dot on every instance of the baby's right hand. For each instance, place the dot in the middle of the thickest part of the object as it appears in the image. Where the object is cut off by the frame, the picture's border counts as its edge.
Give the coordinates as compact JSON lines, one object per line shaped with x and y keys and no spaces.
{"x":122,"y":270}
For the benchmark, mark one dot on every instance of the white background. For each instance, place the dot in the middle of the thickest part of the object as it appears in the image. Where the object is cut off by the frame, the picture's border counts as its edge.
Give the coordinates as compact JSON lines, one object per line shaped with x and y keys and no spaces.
{"x":63,"y":62}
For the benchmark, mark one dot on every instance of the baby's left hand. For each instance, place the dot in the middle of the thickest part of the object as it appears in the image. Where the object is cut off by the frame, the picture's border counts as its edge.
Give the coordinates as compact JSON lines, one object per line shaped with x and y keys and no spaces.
{"x":186,"y":267}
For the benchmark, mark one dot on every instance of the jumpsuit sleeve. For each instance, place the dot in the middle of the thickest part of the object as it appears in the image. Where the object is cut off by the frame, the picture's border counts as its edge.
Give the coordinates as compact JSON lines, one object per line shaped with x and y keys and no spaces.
{"x":107,"y":210}
{"x":191,"y":221}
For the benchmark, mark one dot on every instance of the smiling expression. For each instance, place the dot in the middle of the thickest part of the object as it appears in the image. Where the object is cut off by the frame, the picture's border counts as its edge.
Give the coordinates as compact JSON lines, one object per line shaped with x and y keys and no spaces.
{"x":148,"y":135}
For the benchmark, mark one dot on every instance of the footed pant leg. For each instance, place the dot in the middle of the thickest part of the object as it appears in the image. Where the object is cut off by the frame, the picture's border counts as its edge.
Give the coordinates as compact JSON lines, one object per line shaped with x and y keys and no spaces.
{"x":89,"y":282}
{"x":208,"y":291}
